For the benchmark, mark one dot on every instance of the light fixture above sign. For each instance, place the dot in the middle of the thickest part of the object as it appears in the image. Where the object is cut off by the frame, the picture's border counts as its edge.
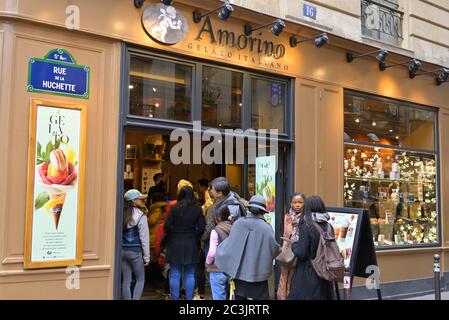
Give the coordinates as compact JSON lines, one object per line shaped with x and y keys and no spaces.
{"x":224,"y":14}
{"x":381,"y":55}
{"x":277,"y":28}
{"x":164,"y":24}
{"x":413,"y":66}
{"x":320,"y":40}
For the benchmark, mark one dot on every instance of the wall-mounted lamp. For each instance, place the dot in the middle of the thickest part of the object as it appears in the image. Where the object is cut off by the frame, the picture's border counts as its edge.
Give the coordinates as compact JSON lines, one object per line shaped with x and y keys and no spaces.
{"x":441,"y":77}
{"x":413,"y":66}
{"x":381,"y":55}
{"x":139,"y":3}
{"x":224,"y":14}
{"x":320,"y":40}
{"x":277,"y":28}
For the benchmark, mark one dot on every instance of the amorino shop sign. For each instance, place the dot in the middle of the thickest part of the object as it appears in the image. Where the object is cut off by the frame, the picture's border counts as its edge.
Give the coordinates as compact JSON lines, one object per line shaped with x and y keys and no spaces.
{"x":230,"y":45}
{"x":168,"y":26}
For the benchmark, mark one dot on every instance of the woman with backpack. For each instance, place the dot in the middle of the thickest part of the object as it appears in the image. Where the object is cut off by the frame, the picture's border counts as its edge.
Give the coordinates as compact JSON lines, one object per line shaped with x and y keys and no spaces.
{"x":291,"y":232}
{"x":219,"y":281}
{"x":306,"y":284}
{"x":184,"y":225}
{"x":135,"y":244}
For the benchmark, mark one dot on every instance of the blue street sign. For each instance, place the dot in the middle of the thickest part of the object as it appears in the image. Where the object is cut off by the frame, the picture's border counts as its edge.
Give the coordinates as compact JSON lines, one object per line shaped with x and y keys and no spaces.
{"x":309,"y":11}
{"x":58,"y":74}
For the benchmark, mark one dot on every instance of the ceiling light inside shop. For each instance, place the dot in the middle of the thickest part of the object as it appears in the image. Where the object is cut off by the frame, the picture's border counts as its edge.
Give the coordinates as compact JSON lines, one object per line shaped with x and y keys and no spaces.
{"x":157,"y":105}
{"x":154,"y":89}
{"x":374,"y":123}
{"x":357,"y":120}
{"x":390,"y":130}
{"x":131,"y":87}
{"x":397,"y":137}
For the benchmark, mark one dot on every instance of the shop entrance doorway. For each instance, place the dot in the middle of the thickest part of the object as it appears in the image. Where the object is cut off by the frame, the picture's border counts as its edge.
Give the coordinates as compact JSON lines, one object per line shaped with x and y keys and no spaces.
{"x":147,"y":153}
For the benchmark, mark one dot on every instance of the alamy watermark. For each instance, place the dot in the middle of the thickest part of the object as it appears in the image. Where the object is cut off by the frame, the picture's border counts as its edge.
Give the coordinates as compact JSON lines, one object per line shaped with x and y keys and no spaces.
{"x":373,"y":280}
{"x":72,"y":282}
{"x":73,"y":19}
{"x":231,"y":142}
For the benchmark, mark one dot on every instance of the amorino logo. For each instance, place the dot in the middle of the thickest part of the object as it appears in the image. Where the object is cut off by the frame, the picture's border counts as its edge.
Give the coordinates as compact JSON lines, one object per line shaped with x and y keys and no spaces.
{"x":229,"y":39}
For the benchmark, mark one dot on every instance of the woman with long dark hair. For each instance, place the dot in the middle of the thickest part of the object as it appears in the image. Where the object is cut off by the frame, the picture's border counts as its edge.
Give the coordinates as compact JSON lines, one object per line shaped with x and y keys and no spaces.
{"x":306,"y":284}
{"x":184,"y":225}
{"x":135,"y":244}
{"x":291,"y":232}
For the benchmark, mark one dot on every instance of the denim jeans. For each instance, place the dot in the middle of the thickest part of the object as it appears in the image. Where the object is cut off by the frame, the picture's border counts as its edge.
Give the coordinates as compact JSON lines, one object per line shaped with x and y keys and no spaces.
{"x":187,"y":272}
{"x":219,"y":283}
{"x":132,"y":262}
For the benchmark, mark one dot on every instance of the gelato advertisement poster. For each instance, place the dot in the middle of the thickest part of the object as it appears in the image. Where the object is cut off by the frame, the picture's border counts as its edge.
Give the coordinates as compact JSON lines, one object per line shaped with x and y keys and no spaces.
{"x":266,"y":184}
{"x":54,"y":208}
{"x":345,"y":228}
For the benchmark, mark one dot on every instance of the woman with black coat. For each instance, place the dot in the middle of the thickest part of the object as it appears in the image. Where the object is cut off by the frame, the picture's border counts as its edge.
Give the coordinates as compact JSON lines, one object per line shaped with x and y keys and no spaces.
{"x":184,"y":226}
{"x":306,"y":285}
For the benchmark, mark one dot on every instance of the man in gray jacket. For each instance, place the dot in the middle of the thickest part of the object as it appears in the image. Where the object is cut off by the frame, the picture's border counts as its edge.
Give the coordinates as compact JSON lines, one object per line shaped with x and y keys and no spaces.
{"x":247,"y":254}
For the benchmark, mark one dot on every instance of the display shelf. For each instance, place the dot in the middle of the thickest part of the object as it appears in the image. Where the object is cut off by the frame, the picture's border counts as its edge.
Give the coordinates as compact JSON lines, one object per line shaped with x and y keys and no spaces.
{"x":368,"y":179}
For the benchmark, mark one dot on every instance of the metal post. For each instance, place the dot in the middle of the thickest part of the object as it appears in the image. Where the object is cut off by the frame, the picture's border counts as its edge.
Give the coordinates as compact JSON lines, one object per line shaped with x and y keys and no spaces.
{"x":436,"y":269}
{"x":347,"y":284}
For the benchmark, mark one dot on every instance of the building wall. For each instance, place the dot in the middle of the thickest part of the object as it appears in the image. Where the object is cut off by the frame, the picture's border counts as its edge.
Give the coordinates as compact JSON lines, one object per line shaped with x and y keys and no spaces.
{"x":425,"y":26}
{"x":30,"y":29}
{"x":19,"y":42}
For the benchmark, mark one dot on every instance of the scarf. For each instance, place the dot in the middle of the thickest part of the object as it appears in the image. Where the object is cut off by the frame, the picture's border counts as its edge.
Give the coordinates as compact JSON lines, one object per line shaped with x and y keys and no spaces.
{"x":295,"y":224}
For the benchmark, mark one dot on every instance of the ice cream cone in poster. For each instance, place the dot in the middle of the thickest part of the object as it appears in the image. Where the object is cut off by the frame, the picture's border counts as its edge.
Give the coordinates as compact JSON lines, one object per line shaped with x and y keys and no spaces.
{"x":55,"y":205}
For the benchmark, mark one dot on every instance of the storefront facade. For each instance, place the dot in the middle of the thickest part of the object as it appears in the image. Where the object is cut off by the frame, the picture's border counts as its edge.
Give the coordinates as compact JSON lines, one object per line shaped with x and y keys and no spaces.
{"x":319,"y":90}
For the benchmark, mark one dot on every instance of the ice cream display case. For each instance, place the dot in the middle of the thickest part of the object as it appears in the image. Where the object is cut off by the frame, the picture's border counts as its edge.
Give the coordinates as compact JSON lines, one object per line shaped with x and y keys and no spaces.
{"x":399,"y":188}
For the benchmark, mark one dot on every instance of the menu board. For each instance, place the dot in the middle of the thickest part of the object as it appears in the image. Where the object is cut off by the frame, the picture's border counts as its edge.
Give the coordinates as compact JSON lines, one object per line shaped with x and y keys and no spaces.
{"x":346,"y":224}
{"x":353,"y":235}
{"x":55,"y":191}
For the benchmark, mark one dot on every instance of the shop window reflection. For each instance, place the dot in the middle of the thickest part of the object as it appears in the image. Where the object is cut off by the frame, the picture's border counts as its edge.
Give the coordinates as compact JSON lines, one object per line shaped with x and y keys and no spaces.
{"x":268,"y":104}
{"x":221,"y":98}
{"x":160,"y":89}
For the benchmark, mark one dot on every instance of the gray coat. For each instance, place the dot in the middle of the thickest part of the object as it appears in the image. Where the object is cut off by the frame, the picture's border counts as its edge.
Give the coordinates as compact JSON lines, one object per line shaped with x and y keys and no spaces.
{"x":248,"y":253}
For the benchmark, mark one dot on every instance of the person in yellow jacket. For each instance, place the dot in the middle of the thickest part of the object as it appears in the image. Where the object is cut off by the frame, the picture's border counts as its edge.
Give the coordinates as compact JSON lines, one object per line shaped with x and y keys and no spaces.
{"x":155,"y":214}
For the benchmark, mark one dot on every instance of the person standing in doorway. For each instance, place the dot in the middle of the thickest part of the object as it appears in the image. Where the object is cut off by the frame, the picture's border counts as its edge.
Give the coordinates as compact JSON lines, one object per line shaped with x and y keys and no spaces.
{"x":135,"y":244}
{"x":159,"y":187}
{"x":183,"y":226}
{"x":291,"y":232}
{"x":306,"y":284}
{"x":247,"y":254}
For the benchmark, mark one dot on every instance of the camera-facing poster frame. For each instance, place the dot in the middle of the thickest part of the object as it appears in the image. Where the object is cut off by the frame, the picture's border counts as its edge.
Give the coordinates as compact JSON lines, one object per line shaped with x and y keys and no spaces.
{"x":55,"y":185}
{"x":335,"y":215}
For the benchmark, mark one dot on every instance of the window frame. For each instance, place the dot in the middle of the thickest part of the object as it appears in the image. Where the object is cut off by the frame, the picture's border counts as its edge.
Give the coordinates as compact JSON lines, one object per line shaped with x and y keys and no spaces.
{"x":196,"y":97}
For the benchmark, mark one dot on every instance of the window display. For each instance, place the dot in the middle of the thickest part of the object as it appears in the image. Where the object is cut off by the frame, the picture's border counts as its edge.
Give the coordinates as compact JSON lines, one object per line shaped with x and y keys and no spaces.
{"x":397,"y":186}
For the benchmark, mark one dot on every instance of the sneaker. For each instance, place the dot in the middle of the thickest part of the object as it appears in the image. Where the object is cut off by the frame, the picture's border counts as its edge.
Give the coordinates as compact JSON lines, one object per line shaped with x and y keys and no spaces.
{"x":198,"y":297}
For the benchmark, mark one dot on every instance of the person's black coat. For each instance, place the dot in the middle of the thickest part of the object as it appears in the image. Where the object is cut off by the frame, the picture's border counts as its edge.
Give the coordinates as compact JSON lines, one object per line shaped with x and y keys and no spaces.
{"x":184,"y":227}
{"x":306,"y":285}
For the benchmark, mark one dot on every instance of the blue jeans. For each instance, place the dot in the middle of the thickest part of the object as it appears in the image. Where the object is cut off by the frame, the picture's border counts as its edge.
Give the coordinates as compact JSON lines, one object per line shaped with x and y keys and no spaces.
{"x":132,"y":262}
{"x":187,"y":272}
{"x":219,"y":283}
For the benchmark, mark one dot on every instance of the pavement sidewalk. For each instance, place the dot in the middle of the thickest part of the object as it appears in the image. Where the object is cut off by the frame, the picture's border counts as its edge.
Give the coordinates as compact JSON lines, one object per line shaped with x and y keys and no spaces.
{"x":444,"y":296}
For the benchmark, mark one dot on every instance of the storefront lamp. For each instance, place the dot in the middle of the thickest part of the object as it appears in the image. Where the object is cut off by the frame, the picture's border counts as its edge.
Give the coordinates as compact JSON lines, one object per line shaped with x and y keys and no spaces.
{"x":139,"y":3}
{"x":442,"y":77}
{"x":381,"y":55}
{"x":319,"y":40}
{"x":224,"y":14}
{"x":277,"y":28}
{"x":413,"y":66}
